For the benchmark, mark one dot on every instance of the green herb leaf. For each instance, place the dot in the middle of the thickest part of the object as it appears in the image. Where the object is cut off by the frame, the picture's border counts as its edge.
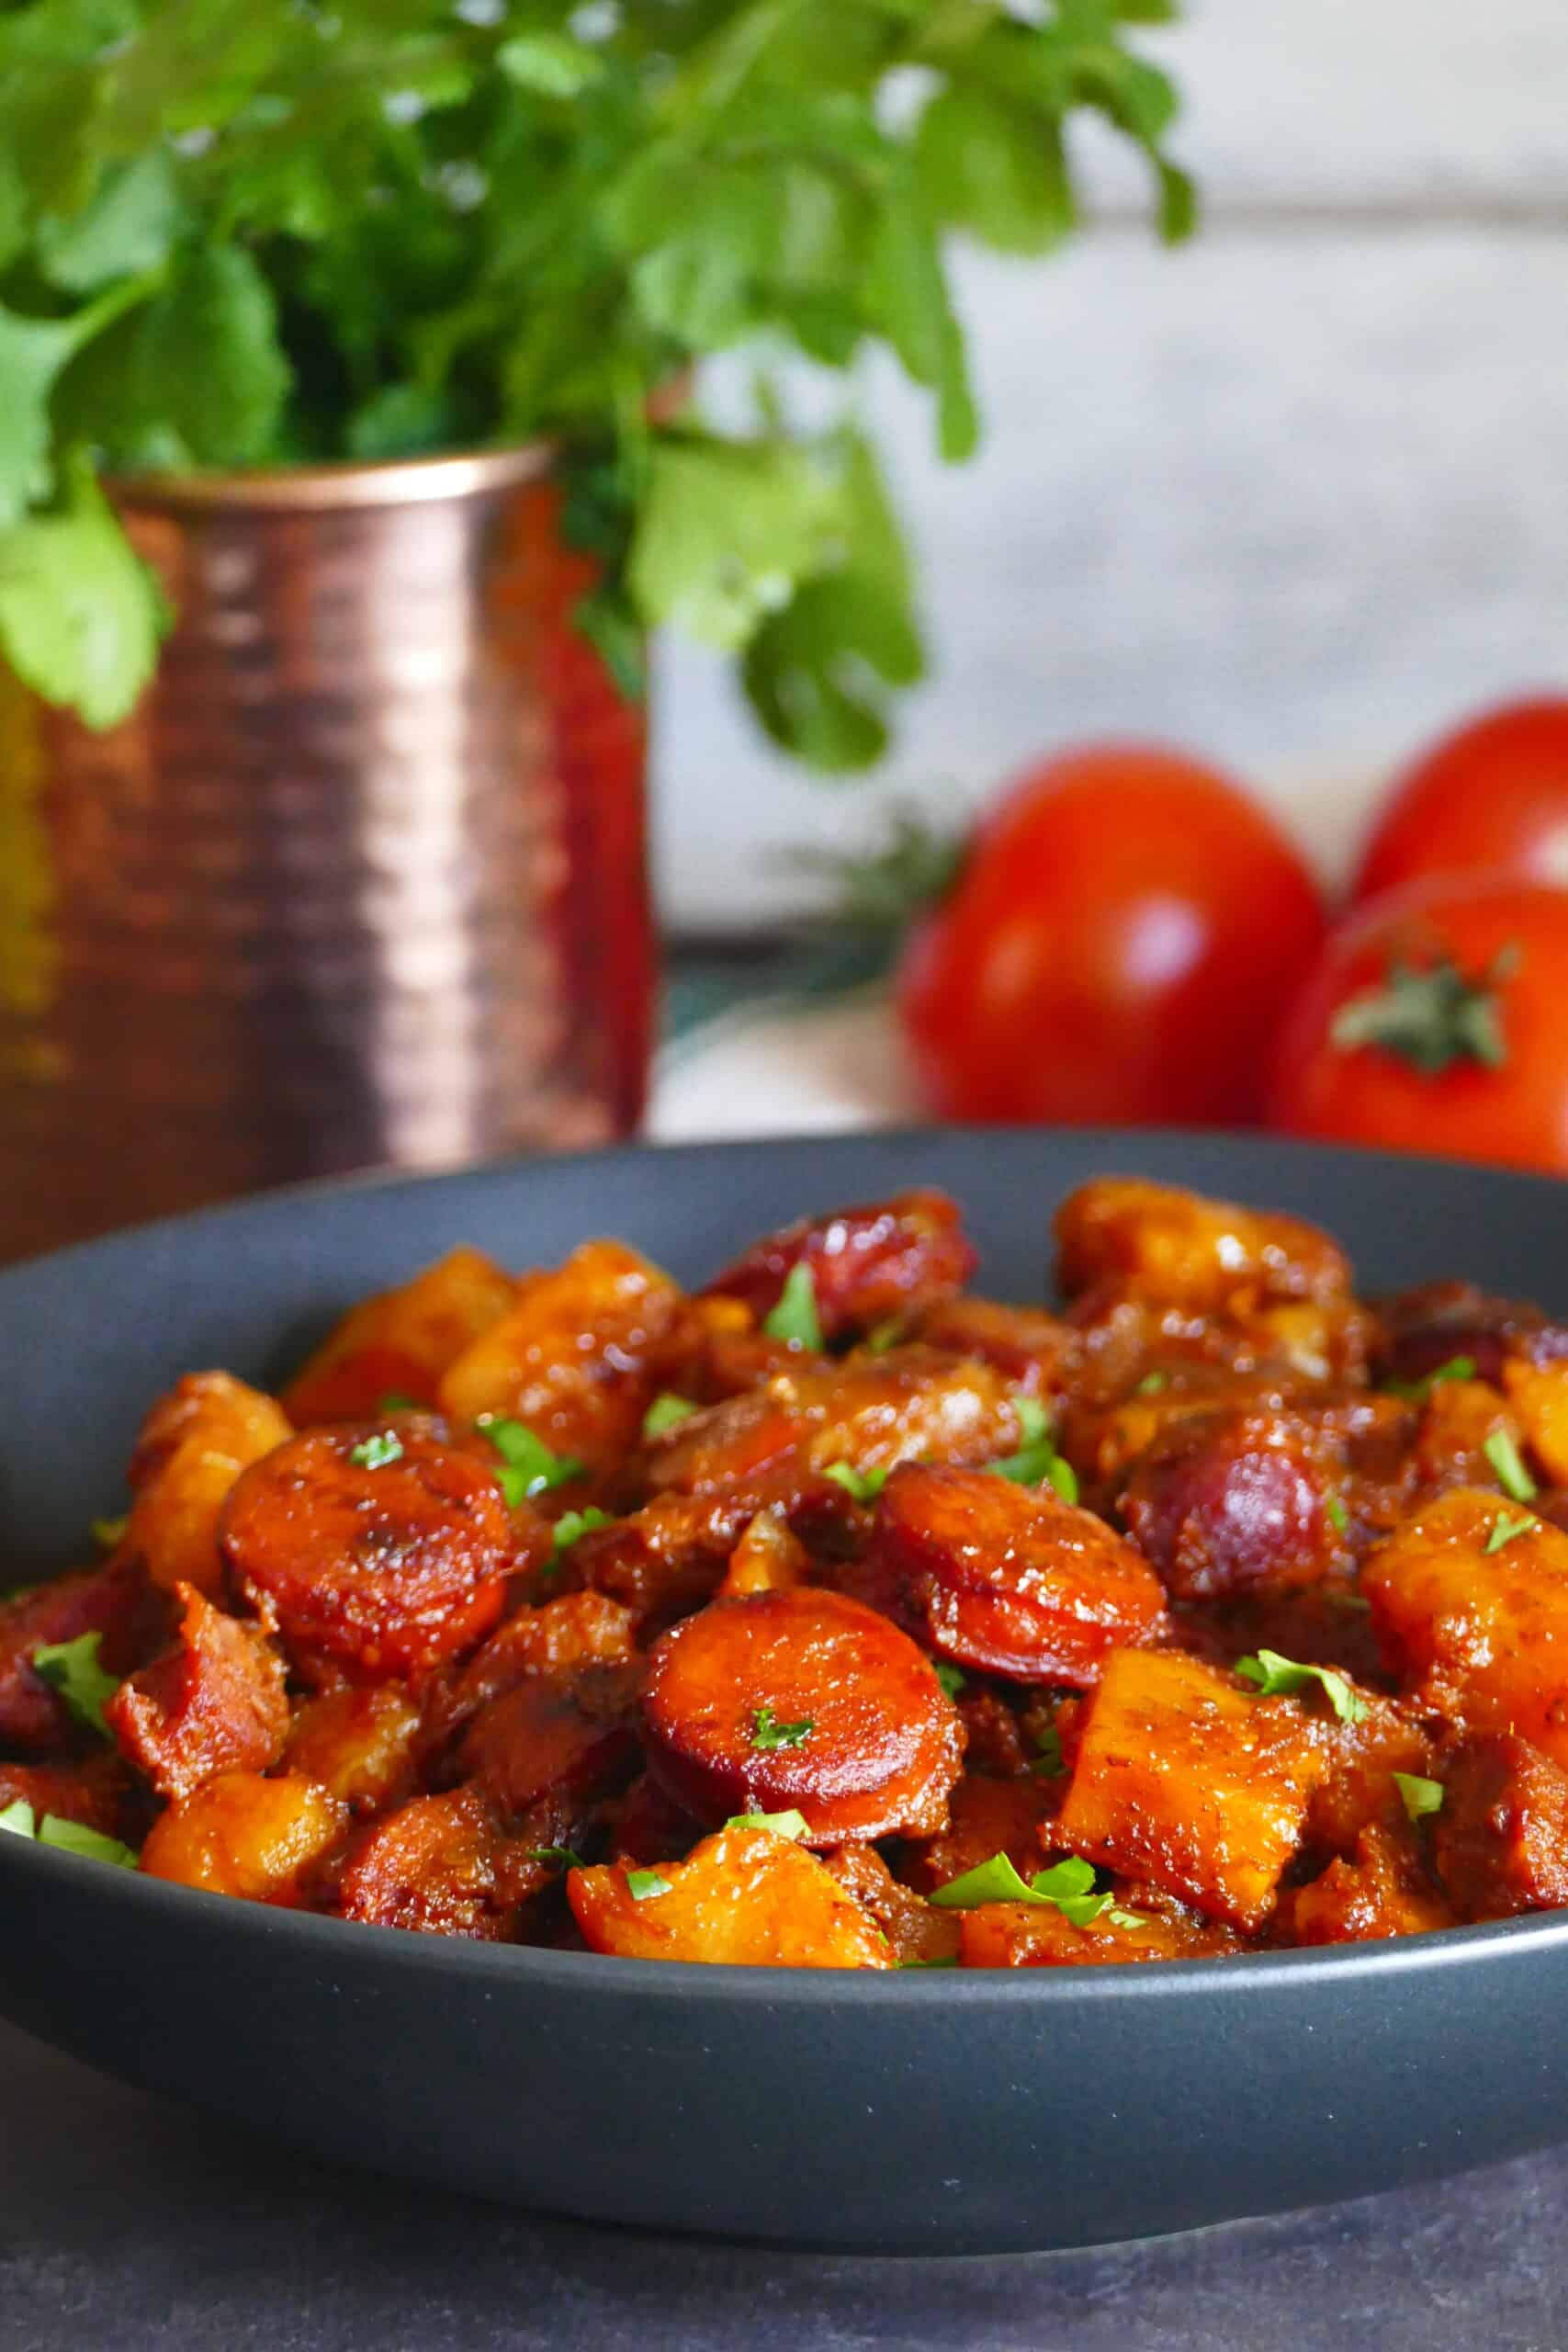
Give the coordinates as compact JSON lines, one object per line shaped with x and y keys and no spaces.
{"x":1275,"y":1675}
{"x":573,"y":1525}
{"x":641,"y":1885}
{"x":863,"y":1484}
{"x":129,"y":229}
{"x":376,"y":1453}
{"x":782,"y":1824}
{"x":667,"y":1412}
{"x":529,"y":1467}
{"x":1067,"y":1886}
{"x":71,"y":1668}
{"x":1415,"y":1392}
{"x":109,"y":1534}
{"x":394,"y":1401}
{"x":1512,"y":1477}
{"x":1504,"y":1529}
{"x":884,"y":1337}
{"x":1335,"y":1511}
{"x":81,"y":616}
{"x":17,"y":1817}
{"x":1049,"y":1763}
{"x":943,"y":1960}
{"x":768,"y":1733}
{"x":562,"y":1856}
{"x":551,"y":64}
{"x":1419,"y":1796}
{"x":795,"y":1318}
{"x":997,"y":1880}
{"x":952,"y":1678}
{"x":72,"y":1837}
{"x":1151,"y":1384}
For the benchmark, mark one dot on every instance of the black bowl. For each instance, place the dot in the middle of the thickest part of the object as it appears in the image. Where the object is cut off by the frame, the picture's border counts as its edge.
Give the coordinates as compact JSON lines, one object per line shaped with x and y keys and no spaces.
{"x":934,"y":2113}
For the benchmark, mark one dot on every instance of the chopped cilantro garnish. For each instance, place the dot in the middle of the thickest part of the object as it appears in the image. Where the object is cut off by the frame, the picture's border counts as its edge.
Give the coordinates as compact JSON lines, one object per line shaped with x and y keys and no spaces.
{"x":667,"y":1412}
{"x":1275,"y":1675}
{"x":1037,"y":1459}
{"x":863,"y":1484}
{"x":70,"y":1836}
{"x":109,"y":1534}
{"x":73,"y":1670}
{"x":395,"y":1401}
{"x":768,"y":1733}
{"x":782,"y":1824}
{"x":563,"y":1857}
{"x":879,"y":1339}
{"x":943,"y":1960}
{"x":376,"y":1453}
{"x":640,"y":1885}
{"x":1512,"y":1477}
{"x":1419,"y":1796}
{"x":952,"y":1678}
{"x":1068,"y":1886}
{"x":1152,"y":1383}
{"x":1049,"y":1763}
{"x":796,"y":1317}
{"x":1415,"y":1392}
{"x":572,"y":1525}
{"x":1335,"y":1512}
{"x":528,"y":1467}
{"x":1505,"y":1529}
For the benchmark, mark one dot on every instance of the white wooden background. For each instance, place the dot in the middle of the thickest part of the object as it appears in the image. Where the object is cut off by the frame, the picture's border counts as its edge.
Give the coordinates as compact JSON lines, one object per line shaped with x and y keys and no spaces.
{"x":1294,"y":496}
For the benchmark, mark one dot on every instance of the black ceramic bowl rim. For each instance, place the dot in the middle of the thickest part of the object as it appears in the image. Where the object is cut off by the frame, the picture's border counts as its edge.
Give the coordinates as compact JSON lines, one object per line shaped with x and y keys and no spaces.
{"x":679,"y":1980}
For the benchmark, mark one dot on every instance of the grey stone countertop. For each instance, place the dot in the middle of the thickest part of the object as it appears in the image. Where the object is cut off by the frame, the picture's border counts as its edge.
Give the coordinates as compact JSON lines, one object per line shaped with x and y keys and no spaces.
{"x":130,"y":2225}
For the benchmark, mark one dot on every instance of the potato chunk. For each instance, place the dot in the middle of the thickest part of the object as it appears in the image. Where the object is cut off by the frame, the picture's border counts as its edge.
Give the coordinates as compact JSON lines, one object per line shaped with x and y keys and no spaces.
{"x":401,"y":1341}
{"x":1030,"y":1934}
{"x":745,"y":1897}
{"x":1178,"y":1248}
{"x":1480,"y":1636}
{"x":577,"y":1358}
{"x":242,"y":1835}
{"x":357,"y":1741}
{"x":1185,"y":1781}
{"x":193,"y":1446}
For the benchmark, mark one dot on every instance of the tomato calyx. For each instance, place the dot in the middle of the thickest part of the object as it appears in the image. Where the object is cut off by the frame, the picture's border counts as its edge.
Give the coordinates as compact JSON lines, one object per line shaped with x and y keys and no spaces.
{"x":1430,"y":1013}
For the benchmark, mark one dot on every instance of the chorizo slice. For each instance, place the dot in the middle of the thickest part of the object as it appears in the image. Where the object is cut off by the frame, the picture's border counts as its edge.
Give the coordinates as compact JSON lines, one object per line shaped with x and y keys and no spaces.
{"x":554,"y":1736}
{"x":112,"y":1602}
{"x":1007,"y":1580}
{"x":359,"y":1741}
{"x":1500,"y":1838}
{"x":1223,"y":1503}
{"x":803,"y":1701}
{"x":1183,"y":1778}
{"x":746,"y":1898}
{"x":376,"y":1564}
{"x":192,"y":1447}
{"x":214,"y":1703}
{"x":1032,"y":1350}
{"x":240,"y":1833}
{"x":438,"y":1866}
{"x":868,"y":1265}
{"x":1437,"y":1324}
{"x":560,"y":1638}
{"x":1177,"y":1248}
{"x":400,"y":1343}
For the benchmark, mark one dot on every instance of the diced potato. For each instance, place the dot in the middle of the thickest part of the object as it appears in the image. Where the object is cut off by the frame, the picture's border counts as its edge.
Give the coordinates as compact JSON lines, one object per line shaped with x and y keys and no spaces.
{"x":193,"y":1446}
{"x":1030,"y":1935}
{"x":1480,"y":1636}
{"x":1539,"y":1394}
{"x":1178,"y":1248}
{"x":402,"y":1340}
{"x":358,"y":1742}
{"x":577,"y":1358}
{"x":1186,"y":1780}
{"x":242,"y":1835}
{"x":745,"y":1896}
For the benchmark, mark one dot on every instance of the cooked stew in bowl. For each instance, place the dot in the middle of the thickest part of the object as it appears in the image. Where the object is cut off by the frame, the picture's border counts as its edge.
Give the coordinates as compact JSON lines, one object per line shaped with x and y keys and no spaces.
{"x":836,"y":1617}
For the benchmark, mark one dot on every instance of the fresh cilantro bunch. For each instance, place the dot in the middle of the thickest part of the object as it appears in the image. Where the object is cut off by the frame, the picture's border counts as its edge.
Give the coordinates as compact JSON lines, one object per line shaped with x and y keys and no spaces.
{"x":252,"y":232}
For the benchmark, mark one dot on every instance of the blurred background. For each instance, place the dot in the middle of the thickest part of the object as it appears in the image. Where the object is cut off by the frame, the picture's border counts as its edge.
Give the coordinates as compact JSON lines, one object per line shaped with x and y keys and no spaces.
{"x":1294,"y":495}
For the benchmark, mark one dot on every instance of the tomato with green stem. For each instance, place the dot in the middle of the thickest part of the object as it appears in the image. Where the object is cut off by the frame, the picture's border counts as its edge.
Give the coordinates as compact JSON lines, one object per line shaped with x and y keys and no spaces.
{"x":1125,"y":938}
{"x":1435,"y":1022}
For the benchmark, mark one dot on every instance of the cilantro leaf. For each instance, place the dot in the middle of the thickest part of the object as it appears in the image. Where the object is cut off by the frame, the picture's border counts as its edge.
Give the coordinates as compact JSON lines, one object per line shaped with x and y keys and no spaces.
{"x":17,"y":1817}
{"x":952,"y":1678}
{"x":1037,"y":1462}
{"x":71,"y":1668}
{"x":564,"y":1856}
{"x":378,"y":1451}
{"x":529,"y":1467}
{"x":1335,"y":1512}
{"x":1513,"y":1477}
{"x":863,"y":1484}
{"x":943,"y":1960}
{"x":81,"y":616}
{"x":641,"y":1885}
{"x":768,"y":1733}
{"x":1067,"y":1886}
{"x":1049,"y":1763}
{"x":573,"y":1525}
{"x":1504,"y":1529}
{"x":109,"y":1534}
{"x":1275,"y":1675}
{"x":129,"y":228}
{"x":1418,"y":1796}
{"x":667,"y":1412}
{"x":795,"y":1318}
{"x":782,"y":1824}
{"x":70,"y":1836}
{"x":1415,"y":1392}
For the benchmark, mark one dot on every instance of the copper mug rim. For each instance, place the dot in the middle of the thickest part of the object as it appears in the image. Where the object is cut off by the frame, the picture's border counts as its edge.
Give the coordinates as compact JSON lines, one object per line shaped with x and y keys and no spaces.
{"x":346,"y":483}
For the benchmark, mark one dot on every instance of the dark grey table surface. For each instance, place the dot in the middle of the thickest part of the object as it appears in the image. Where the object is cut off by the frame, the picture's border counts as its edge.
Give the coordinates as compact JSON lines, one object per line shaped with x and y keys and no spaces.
{"x":129,"y":2225}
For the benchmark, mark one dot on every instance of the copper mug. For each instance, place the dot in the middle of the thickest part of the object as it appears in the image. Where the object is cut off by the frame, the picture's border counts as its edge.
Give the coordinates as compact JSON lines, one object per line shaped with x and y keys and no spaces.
{"x":363,"y":878}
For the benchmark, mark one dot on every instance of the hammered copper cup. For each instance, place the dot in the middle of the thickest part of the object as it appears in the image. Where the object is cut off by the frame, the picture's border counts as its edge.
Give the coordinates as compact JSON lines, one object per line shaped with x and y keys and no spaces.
{"x":363,"y":878}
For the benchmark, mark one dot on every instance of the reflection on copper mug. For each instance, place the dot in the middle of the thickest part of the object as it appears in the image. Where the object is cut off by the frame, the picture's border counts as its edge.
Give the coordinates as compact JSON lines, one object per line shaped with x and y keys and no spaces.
{"x":361,"y":879}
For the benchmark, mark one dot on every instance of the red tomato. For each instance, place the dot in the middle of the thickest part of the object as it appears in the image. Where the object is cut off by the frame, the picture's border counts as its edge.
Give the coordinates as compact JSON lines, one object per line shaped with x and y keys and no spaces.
{"x":1491,"y":797}
{"x":1436,"y":1023}
{"x":1123,"y":940}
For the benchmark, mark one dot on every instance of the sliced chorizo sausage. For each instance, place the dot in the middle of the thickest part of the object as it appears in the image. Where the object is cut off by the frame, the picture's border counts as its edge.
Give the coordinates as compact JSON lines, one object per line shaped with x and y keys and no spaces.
{"x":889,"y":1258}
{"x":802,"y":1700}
{"x":214,"y":1703}
{"x":378,"y":1564}
{"x":1005,"y":1578}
